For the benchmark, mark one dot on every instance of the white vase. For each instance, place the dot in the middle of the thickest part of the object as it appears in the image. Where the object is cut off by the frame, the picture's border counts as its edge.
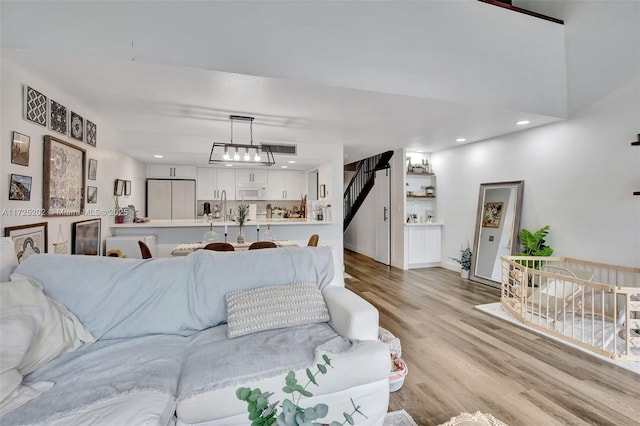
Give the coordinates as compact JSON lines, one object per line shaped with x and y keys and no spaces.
{"x":464,"y":274}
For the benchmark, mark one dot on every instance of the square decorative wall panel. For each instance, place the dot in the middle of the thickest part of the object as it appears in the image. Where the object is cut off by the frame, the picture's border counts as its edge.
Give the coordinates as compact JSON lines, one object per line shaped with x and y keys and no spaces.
{"x":59,"y":118}
{"x":35,"y":106}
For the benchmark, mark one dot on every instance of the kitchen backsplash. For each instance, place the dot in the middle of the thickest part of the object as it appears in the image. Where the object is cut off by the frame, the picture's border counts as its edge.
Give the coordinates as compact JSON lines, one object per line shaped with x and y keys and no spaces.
{"x":261,"y":206}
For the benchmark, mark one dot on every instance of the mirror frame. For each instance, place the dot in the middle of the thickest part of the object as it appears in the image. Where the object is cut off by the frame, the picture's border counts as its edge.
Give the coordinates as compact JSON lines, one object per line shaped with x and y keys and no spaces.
{"x":519,"y":186}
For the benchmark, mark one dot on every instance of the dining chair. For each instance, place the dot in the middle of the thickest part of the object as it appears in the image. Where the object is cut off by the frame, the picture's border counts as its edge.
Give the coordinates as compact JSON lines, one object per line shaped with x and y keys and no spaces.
{"x":144,"y":250}
{"x":313,"y":241}
{"x":262,"y":245}
{"x":219,"y":246}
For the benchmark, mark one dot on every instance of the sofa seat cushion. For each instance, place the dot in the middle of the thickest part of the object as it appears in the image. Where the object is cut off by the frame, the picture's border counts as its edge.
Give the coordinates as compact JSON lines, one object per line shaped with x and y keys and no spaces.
{"x":216,"y":367}
{"x":102,"y":371}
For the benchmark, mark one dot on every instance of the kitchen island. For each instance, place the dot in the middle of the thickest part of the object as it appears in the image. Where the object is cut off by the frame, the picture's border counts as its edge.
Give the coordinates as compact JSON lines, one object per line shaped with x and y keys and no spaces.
{"x":170,"y":233}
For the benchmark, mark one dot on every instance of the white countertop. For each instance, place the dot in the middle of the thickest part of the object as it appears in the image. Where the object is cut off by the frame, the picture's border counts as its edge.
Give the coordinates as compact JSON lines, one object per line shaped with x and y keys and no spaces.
{"x":186,"y":223}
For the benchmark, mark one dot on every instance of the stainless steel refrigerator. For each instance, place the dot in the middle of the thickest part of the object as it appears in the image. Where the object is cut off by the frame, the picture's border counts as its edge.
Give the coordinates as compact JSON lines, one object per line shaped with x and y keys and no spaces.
{"x":171,"y":199}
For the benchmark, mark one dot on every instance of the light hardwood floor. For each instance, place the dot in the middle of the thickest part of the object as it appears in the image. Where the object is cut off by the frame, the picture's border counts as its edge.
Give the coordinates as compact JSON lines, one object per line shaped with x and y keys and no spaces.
{"x":461,"y":359}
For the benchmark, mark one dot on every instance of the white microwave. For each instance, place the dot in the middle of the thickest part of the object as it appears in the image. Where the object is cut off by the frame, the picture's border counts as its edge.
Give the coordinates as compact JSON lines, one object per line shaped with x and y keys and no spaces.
{"x":251,"y":191}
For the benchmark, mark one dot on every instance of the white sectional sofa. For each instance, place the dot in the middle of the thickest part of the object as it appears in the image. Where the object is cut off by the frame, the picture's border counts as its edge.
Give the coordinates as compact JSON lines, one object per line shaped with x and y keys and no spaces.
{"x":162,"y":352}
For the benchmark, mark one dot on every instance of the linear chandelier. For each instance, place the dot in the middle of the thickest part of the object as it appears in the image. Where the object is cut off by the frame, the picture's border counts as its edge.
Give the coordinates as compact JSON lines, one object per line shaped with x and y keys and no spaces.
{"x":246,"y":154}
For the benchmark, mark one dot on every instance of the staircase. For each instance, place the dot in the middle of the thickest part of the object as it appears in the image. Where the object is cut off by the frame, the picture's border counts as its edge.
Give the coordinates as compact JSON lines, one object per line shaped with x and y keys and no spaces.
{"x":361,"y":184}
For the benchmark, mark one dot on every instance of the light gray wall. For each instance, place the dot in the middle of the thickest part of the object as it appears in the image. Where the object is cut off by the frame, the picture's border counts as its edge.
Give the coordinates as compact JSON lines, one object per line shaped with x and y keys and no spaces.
{"x":111,"y":164}
{"x":579,"y":178}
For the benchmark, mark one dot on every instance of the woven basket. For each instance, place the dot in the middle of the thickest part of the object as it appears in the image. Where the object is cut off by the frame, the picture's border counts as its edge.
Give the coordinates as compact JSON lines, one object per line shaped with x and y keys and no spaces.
{"x":396,"y":378}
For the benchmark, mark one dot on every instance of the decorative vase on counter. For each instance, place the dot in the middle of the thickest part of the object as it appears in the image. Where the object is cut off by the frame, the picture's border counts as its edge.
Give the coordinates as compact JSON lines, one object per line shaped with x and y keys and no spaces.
{"x":240,"y":239}
{"x":464,"y":274}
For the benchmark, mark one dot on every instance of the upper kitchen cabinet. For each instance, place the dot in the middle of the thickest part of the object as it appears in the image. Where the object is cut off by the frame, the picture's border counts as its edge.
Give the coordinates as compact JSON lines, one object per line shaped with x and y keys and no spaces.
{"x":212,"y":182}
{"x":284,"y":185}
{"x":244,"y":176}
{"x":166,"y":171}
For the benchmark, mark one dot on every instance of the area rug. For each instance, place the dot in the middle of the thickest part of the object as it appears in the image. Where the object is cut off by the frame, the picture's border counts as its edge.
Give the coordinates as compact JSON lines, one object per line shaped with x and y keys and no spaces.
{"x":497,"y":310}
{"x":475,"y":419}
{"x":398,"y":418}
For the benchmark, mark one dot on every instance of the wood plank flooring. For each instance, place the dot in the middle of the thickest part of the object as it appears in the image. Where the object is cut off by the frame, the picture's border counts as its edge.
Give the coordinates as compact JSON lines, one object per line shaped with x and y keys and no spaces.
{"x":461,"y":359}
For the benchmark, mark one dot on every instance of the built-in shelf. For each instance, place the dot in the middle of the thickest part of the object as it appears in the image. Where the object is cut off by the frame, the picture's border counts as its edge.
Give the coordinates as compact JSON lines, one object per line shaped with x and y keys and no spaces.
{"x":420,"y":196}
{"x":421,"y":174}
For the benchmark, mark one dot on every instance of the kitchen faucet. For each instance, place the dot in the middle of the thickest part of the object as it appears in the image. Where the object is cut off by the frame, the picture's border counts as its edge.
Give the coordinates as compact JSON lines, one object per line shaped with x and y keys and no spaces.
{"x":223,"y":198}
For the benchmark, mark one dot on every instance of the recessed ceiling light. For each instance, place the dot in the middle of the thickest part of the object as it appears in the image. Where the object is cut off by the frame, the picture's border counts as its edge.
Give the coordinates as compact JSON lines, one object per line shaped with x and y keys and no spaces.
{"x":283,"y":167}
{"x":522,"y":122}
{"x":159,"y":156}
{"x":291,"y":161}
{"x":229,"y":165}
{"x":461,"y":140}
{"x":419,"y":150}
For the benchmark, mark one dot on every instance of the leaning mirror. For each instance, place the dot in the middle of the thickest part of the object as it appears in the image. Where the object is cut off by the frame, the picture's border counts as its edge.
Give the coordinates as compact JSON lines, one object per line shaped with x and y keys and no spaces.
{"x":496,"y":232}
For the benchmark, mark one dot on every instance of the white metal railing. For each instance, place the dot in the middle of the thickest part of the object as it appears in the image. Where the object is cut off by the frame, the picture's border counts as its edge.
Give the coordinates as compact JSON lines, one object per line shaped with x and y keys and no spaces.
{"x":593,"y":305}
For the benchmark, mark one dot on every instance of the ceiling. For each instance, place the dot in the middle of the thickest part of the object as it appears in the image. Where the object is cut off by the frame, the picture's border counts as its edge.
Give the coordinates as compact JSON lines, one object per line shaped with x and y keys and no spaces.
{"x":165,"y":76}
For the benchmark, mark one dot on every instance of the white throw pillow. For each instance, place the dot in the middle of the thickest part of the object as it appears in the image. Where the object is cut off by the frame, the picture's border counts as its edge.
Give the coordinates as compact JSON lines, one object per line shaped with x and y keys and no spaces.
{"x":272,"y":307}
{"x":60,"y":331}
{"x":18,"y":328}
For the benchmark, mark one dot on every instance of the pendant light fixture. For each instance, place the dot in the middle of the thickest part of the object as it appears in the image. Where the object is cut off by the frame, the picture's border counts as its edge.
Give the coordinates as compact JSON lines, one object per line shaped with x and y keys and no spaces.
{"x":246,"y":154}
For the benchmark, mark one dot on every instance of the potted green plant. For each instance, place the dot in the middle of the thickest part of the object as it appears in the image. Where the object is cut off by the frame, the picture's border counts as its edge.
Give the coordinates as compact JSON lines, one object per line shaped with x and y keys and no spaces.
{"x":464,"y":260}
{"x":534,"y":244}
{"x":242,"y":216}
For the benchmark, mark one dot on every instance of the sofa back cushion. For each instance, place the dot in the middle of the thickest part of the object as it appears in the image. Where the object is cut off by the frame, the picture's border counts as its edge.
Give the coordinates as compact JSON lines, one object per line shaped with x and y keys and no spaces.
{"x":122,"y":298}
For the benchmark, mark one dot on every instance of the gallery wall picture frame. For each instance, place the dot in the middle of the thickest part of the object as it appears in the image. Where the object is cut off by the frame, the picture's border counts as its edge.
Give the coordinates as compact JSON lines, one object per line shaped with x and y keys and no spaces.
{"x":28,"y":239}
{"x":118,"y":187}
{"x":20,"y":145}
{"x":64,"y":183}
{"x":127,"y":187}
{"x":92,"y":194}
{"x":35,"y":106}
{"x":86,"y":238}
{"x":58,"y":117}
{"x":323,"y":191}
{"x":492,"y":215}
{"x":76,"y":130}
{"x":93,"y":169}
{"x":92,"y":133}
{"x":20,"y":187}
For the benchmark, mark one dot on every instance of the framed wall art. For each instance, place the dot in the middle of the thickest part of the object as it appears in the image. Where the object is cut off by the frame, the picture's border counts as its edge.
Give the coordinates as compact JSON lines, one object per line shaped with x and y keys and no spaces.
{"x":92,"y":133}
{"x":92,"y":194}
{"x":28,"y":239}
{"x":64,"y":171}
{"x":20,"y":149}
{"x":35,"y":106}
{"x":93,"y":169}
{"x":86,"y":237}
{"x":20,"y":188}
{"x":58,"y":120}
{"x":77,"y":126}
{"x":127,"y":187}
{"x":118,"y":187}
{"x":492,"y":215}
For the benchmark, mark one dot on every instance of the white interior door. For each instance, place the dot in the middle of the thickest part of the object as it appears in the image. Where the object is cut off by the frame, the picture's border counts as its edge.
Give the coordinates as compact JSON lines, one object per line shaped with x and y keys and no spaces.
{"x":382,"y":195}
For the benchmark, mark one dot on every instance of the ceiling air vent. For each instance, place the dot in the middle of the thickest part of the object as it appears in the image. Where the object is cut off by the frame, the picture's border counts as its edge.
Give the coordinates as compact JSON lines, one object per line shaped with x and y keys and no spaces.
{"x":281,"y":149}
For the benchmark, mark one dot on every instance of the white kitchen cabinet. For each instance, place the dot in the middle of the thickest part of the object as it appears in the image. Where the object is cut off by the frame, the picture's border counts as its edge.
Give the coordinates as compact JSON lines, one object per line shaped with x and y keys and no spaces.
{"x":284,"y":185}
{"x":423,"y":245}
{"x":245,"y":176}
{"x":171,"y":199}
{"x":212,"y":181}
{"x":165,"y":171}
